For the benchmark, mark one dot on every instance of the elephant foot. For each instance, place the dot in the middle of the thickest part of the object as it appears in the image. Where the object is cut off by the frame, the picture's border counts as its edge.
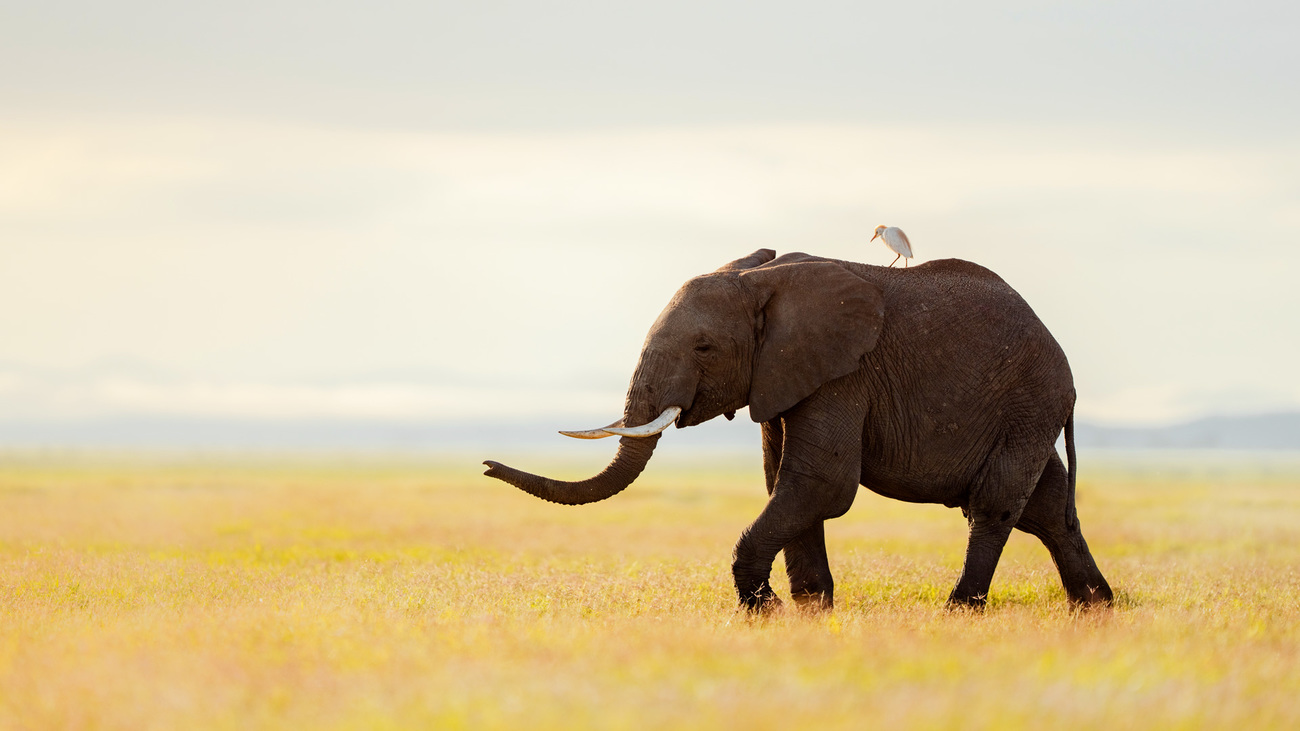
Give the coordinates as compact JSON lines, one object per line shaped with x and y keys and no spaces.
{"x":761,"y":602}
{"x":1096,"y":596}
{"x":813,"y":602}
{"x":974,"y":603}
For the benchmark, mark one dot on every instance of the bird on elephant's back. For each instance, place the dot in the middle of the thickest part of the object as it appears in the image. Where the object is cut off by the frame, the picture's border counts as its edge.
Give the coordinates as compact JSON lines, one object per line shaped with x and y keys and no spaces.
{"x":937,"y":384}
{"x":897,"y":242}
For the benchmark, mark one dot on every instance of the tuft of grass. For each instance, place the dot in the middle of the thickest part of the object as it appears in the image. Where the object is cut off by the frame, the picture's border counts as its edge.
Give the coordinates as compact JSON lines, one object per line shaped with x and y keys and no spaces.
{"x":139,"y":593}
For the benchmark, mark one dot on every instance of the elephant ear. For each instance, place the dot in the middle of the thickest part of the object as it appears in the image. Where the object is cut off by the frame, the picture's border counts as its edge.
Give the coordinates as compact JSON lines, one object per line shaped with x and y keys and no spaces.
{"x":818,"y":320}
{"x":758,"y":258}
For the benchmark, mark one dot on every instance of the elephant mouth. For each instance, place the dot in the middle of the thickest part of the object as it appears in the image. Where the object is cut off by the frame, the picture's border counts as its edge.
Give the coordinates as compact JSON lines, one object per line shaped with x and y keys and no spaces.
{"x":694,"y":417}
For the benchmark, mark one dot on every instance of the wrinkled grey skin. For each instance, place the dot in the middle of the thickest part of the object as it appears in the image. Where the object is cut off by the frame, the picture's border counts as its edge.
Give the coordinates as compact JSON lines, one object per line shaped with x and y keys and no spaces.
{"x":931,"y":384}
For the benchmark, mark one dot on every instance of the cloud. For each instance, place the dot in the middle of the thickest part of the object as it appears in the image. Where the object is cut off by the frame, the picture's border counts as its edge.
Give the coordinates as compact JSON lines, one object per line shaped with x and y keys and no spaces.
{"x":249,"y":260}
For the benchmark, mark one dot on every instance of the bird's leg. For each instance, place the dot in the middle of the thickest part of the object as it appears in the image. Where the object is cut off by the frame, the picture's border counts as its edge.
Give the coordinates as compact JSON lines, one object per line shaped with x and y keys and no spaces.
{"x":895,"y":261}
{"x":905,"y":263}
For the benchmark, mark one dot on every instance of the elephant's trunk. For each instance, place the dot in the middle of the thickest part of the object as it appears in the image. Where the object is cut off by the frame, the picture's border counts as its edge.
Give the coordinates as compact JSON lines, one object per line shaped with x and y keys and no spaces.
{"x":651,"y":399}
{"x":633,"y":454}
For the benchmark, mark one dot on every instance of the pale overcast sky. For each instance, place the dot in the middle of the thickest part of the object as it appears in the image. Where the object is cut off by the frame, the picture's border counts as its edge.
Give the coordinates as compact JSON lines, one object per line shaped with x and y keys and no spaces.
{"x":417,"y":211}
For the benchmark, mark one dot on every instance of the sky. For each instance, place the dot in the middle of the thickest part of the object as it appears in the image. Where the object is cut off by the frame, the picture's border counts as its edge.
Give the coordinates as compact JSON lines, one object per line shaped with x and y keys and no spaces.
{"x":431,"y":212}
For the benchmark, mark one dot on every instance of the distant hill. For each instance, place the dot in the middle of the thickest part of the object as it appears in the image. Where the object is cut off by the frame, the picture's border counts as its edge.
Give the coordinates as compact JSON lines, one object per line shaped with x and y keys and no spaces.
{"x":1266,"y":431}
{"x":1261,"y":431}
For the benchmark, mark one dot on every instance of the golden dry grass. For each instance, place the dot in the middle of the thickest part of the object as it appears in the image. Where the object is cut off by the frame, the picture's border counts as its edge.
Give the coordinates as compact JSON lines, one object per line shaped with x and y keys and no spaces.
{"x":171,"y":594}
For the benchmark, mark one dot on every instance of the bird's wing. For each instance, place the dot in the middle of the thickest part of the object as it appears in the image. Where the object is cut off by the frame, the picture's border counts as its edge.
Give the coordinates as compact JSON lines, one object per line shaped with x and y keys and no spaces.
{"x":897,"y":241}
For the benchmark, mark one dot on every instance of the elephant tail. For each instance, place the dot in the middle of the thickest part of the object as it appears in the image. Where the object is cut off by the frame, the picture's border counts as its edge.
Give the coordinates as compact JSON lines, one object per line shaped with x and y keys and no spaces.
{"x":1072,"y":472}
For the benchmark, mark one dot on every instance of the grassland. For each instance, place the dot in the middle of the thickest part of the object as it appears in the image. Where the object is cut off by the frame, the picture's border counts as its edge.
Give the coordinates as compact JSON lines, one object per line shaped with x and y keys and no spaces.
{"x":146,"y":593}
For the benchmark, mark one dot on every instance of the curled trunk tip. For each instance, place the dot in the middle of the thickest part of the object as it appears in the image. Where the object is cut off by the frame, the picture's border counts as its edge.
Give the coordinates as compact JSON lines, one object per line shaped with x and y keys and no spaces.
{"x":633,"y":455}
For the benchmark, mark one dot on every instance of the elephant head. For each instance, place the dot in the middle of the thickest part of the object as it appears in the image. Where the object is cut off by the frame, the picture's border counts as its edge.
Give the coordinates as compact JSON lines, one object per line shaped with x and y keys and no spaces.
{"x":762,"y":332}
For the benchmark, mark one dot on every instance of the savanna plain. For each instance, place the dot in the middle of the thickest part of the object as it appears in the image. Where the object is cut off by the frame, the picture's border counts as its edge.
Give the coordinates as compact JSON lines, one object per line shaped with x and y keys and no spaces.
{"x":165,"y":592}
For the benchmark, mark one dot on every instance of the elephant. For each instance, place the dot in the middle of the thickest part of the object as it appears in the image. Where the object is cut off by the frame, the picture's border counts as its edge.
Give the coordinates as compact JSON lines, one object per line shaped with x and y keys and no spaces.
{"x":929,"y":384}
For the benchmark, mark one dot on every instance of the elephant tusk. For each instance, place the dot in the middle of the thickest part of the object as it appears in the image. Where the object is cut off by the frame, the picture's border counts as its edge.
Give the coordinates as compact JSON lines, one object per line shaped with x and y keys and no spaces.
{"x":593,"y":433}
{"x":650,"y":429}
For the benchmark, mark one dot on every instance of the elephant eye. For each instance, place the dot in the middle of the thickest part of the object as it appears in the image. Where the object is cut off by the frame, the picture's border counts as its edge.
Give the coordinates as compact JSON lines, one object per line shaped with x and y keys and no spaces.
{"x":703,"y":348}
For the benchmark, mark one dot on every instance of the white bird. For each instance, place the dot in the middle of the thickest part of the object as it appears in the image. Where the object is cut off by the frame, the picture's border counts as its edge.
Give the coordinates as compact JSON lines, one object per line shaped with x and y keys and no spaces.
{"x":897,"y":242}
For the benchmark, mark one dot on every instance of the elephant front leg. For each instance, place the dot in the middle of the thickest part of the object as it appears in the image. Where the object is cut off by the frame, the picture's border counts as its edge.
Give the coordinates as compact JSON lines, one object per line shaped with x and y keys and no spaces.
{"x":751,"y":562}
{"x":811,"y":585}
{"x":792,"y":520}
{"x":811,"y":457}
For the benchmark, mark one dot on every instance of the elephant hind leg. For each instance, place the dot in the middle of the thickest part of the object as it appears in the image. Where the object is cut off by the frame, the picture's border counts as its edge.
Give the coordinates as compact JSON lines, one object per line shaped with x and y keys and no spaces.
{"x":806,"y":564}
{"x":998,"y":497}
{"x":988,"y":536}
{"x":1049,"y":517}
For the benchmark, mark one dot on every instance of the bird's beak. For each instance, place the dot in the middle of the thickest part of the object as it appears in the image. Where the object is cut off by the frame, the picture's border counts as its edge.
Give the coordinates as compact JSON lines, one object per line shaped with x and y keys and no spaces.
{"x":873,"y":238}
